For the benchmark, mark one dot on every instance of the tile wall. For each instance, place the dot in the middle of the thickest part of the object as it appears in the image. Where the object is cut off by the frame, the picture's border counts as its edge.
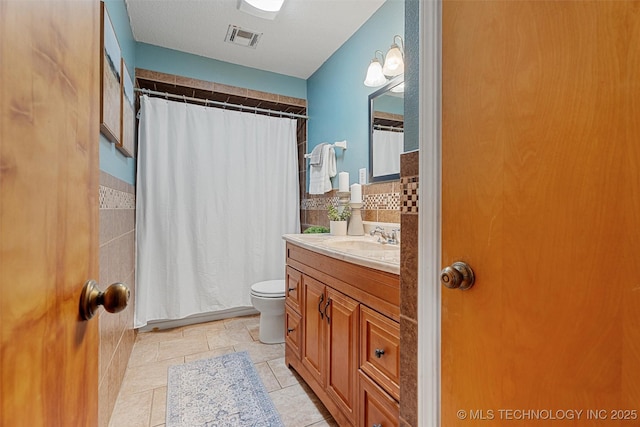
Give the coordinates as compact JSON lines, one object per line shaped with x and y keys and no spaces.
{"x":301,"y":136}
{"x":381,"y":203}
{"x":409,"y":180}
{"x":117,"y":264}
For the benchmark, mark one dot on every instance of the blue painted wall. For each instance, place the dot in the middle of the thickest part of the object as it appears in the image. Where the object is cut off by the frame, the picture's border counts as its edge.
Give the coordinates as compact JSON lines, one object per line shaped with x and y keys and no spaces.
{"x":170,"y":61}
{"x":390,"y":104}
{"x":111,"y":160}
{"x":120,"y":20}
{"x":336,"y":96}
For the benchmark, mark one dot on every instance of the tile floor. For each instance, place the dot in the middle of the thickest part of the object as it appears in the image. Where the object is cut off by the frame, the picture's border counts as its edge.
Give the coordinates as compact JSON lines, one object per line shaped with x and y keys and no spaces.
{"x":142,"y":398}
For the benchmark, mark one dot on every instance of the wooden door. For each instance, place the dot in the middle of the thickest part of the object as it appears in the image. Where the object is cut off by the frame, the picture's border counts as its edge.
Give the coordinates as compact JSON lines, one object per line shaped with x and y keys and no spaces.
{"x":342,"y":351}
{"x":314,"y":327}
{"x":49,"y":131}
{"x":541,"y":196}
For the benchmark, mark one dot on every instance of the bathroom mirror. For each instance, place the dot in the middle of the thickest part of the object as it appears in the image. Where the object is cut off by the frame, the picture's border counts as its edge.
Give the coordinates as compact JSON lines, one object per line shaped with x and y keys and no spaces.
{"x":386,"y":131}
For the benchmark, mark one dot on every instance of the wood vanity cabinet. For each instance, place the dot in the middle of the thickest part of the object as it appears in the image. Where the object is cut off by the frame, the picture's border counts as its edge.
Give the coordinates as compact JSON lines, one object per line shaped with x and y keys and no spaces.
{"x":343,"y":335}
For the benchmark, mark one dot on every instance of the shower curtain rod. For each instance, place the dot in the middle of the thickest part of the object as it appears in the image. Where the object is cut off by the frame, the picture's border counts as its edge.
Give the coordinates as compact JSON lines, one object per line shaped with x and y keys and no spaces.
{"x":222,"y":104}
{"x":391,"y":128}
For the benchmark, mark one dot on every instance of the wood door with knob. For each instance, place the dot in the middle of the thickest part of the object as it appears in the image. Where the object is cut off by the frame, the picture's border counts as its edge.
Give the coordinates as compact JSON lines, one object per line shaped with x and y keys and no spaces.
{"x":49,"y":127}
{"x":541,"y":197}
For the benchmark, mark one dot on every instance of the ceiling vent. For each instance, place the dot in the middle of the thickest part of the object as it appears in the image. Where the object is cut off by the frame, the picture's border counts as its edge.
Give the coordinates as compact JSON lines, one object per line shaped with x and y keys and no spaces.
{"x":242,"y":36}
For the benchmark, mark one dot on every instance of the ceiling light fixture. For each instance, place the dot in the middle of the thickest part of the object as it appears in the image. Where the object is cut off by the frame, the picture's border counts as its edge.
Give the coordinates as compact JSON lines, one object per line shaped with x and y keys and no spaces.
{"x":375,"y":77}
{"x":267,"y":9}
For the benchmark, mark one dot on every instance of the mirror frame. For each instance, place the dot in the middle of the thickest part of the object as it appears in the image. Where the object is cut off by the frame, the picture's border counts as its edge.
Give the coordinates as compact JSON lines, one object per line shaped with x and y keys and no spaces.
{"x":384,"y":89}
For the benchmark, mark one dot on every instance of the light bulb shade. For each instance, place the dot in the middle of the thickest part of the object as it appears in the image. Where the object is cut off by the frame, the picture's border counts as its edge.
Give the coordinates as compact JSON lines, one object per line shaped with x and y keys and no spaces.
{"x":375,"y":77}
{"x":393,"y":62}
{"x":398,"y":89}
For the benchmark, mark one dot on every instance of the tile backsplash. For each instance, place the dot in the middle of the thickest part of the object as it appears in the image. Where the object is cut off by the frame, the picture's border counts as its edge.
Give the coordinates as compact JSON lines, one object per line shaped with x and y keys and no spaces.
{"x":381,"y":203}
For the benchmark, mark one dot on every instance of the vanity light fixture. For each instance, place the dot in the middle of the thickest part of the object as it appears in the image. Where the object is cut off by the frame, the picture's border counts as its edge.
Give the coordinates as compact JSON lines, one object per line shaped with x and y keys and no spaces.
{"x":375,"y":77}
{"x":378,"y":75}
{"x":394,"y":61}
{"x":267,"y":9}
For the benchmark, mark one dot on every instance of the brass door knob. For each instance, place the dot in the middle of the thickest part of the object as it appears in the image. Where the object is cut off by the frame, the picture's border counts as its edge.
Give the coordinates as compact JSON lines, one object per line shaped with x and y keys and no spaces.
{"x":457,"y":276}
{"x":114,"y":299}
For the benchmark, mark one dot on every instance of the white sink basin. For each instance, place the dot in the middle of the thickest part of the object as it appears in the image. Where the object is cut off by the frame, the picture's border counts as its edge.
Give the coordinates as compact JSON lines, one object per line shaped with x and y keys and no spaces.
{"x":361,"y":245}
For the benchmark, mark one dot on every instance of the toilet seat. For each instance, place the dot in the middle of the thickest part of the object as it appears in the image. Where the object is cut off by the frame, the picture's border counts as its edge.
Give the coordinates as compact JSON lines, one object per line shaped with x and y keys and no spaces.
{"x":268,"y":289}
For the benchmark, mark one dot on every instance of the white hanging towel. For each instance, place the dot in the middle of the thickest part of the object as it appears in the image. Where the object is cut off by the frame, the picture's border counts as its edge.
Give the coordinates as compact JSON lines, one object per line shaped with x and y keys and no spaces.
{"x":316,"y":155}
{"x":320,"y":175}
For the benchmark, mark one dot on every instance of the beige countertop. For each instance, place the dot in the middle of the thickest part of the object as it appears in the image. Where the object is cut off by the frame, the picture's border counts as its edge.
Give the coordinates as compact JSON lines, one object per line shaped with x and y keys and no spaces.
{"x":361,"y":250}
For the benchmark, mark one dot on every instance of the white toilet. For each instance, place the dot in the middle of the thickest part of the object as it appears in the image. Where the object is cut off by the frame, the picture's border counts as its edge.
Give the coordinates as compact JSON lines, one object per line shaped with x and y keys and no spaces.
{"x":268,"y":298}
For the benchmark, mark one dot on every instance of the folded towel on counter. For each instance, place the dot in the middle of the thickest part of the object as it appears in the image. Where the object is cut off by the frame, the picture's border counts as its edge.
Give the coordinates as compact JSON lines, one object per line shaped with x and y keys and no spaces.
{"x":320,"y":176}
{"x":315,"y":159}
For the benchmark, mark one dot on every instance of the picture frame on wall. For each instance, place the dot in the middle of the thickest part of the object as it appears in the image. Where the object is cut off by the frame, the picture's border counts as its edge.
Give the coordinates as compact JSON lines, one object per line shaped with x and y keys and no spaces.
{"x":110,"y":79}
{"x":127,"y":109}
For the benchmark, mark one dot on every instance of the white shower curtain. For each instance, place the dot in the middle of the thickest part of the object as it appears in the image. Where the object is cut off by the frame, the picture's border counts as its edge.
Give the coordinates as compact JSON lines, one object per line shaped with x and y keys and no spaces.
{"x":216,"y":189}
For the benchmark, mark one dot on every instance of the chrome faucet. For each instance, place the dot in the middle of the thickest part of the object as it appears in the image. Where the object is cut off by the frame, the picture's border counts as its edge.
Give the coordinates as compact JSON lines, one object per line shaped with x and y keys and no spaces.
{"x":385,"y":237}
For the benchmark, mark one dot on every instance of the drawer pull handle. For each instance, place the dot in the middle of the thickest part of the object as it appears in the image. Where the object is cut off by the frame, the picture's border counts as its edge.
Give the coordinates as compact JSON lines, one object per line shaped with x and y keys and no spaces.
{"x":377,"y":425}
{"x":320,"y":306}
{"x":289,"y":330}
{"x":325,"y":310}
{"x":292,"y":289}
{"x":379,"y":352}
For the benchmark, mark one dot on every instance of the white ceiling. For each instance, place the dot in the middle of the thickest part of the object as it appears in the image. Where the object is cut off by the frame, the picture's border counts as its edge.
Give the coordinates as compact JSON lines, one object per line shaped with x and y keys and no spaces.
{"x":296,"y":43}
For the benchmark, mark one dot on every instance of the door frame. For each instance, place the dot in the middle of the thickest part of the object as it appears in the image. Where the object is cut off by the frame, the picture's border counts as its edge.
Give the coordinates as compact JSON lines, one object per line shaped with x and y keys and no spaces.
{"x":429,"y":214}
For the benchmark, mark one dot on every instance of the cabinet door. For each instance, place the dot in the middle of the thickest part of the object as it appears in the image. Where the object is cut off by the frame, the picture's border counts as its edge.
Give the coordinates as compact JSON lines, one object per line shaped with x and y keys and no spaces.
{"x":341,"y":315}
{"x":313,"y":327}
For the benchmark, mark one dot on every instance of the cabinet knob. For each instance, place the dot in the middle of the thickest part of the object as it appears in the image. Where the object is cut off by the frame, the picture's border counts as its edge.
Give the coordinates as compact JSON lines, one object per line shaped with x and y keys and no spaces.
{"x":377,"y":425}
{"x":292,"y":289}
{"x":379,"y":352}
{"x":289,"y":330}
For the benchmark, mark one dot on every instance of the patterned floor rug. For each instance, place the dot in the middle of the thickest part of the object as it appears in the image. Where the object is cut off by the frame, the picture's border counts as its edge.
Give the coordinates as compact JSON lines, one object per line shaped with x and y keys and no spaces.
{"x":224,"y":391}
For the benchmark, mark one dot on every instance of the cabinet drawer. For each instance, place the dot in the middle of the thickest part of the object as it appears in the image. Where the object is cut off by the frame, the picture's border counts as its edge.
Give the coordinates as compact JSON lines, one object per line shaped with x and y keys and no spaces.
{"x":380,"y":350}
{"x":293,"y":331}
{"x":377,"y":408}
{"x":294,"y":288}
